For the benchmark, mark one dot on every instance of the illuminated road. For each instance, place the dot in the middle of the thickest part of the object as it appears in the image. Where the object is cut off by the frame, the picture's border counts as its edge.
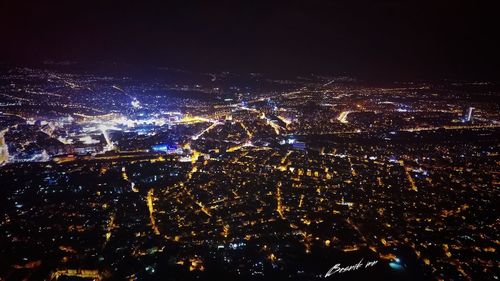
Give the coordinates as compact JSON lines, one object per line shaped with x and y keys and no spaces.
{"x":413,"y":186}
{"x":104,"y":131}
{"x":279,"y":206}
{"x":343,"y":117}
{"x":284,"y":120}
{"x":234,"y":148}
{"x":4,"y":151}
{"x":203,"y":208}
{"x":416,"y":129}
{"x":111,"y":226}
{"x":452,"y":128}
{"x":353,"y":172}
{"x":125,"y":177}
{"x":249,"y":134}
{"x":122,"y":91}
{"x":194,"y":157}
{"x":80,"y":273}
{"x":269,"y":122}
{"x":248,"y":141}
{"x":301,"y":200}
{"x":149,"y":200}
{"x":283,"y":163}
{"x":214,"y":124}
{"x":273,"y":125}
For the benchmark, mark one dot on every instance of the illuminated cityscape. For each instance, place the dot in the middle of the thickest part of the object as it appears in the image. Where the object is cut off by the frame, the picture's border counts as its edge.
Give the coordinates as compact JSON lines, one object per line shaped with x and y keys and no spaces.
{"x":153,"y":177}
{"x":267,"y":140}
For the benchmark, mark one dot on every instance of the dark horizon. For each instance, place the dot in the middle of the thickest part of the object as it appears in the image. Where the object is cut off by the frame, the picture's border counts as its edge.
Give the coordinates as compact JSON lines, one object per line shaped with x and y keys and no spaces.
{"x":383,"y":40}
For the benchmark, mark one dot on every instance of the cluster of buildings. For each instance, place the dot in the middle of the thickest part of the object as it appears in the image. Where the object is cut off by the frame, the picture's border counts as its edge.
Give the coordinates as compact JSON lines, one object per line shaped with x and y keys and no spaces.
{"x":242,"y":182}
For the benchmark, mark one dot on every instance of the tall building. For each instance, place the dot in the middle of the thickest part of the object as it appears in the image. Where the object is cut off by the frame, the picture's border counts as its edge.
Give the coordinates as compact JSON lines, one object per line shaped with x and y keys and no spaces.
{"x":468,"y":114}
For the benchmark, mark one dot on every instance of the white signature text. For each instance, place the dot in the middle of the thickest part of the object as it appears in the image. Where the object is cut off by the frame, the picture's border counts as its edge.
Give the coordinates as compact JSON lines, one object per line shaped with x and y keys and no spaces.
{"x":339,"y":269}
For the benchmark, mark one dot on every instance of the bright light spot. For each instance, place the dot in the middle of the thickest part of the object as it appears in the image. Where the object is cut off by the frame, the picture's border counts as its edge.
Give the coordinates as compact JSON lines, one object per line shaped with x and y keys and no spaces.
{"x":136,"y":104}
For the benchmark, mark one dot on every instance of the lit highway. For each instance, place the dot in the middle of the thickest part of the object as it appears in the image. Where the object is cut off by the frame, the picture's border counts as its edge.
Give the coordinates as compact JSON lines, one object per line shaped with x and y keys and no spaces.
{"x":4,"y":150}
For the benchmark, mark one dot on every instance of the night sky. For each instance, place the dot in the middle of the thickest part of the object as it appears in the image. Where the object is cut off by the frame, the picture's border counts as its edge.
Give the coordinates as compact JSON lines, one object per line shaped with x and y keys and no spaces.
{"x":369,"y":39}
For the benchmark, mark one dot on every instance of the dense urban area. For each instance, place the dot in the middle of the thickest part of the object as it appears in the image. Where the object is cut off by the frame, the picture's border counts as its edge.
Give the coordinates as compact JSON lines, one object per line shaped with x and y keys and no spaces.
{"x":196,"y":176}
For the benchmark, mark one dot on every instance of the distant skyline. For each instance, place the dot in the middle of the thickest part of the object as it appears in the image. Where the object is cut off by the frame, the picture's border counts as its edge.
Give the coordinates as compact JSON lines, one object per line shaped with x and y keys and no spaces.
{"x":374,"y":40}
